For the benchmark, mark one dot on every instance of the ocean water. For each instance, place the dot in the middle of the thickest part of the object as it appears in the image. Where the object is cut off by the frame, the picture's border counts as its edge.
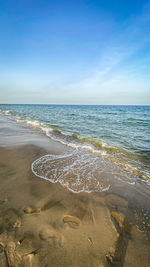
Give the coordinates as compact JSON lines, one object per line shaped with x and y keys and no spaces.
{"x":101,"y":138}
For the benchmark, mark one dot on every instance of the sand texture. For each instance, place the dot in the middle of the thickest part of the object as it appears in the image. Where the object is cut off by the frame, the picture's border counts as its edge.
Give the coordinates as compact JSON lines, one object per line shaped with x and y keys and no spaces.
{"x":44,"y":224}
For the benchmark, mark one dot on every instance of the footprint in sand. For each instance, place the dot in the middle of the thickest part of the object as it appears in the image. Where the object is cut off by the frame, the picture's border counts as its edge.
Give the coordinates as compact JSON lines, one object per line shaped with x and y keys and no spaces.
{"x":51,"y":236}
{"x":13,"y":258}
{"x":3,"y":201}
{"x":72,"y":221}
{"x":32,"y":210}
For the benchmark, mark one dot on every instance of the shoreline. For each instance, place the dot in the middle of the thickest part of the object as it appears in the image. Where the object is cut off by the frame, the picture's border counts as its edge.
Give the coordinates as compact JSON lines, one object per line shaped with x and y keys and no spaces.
{"x":45,"y":224}
{"x":131,"y":159}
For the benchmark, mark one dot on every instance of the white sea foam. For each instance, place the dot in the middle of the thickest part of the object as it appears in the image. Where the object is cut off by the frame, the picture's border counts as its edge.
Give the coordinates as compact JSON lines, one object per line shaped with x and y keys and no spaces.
{"x":50,"y":132}
{"x":7,"y":112}
{"x":80,"y":171}
{"x":77,"y":171}
{"x":34,"y":123}
{"x":75,"y":144}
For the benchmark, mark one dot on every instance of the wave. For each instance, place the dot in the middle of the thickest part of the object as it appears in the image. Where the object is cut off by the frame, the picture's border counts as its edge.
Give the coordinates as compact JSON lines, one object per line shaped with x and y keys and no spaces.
{"x":117,"y":155}
{"x":8,"y":112}
{"x":76,"y":165}
{"x":70,"y":139}
{"x":80,"y":172}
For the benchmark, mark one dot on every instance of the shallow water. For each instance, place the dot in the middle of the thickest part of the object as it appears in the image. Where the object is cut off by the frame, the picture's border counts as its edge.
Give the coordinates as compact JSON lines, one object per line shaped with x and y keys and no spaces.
{"x":118,"y":133}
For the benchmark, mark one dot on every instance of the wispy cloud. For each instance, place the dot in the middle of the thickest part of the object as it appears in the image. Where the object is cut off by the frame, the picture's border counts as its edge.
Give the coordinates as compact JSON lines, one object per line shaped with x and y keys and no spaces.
{"x":121,"y":60}
{"x":118,"y":73}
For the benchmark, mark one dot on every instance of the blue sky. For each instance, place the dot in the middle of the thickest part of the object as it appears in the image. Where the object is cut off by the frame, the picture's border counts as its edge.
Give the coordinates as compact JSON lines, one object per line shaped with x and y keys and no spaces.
{"x":75,"y":52}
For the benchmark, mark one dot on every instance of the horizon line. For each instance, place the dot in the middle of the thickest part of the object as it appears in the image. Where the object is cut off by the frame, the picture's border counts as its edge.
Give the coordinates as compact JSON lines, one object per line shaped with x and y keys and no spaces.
{"x":74,"y":104}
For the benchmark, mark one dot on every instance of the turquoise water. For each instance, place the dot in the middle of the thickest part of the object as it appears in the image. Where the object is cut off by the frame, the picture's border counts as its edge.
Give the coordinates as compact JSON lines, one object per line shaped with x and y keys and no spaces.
{"x":121,"y":133}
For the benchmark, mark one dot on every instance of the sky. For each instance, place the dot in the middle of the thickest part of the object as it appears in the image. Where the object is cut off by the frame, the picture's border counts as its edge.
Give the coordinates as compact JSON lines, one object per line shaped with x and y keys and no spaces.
{"x":75,"y":52}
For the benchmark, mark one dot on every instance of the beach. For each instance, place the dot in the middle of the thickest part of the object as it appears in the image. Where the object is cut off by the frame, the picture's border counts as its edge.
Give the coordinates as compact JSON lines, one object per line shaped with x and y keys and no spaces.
{"x":75,"y":133}
{"x":45,"y":223}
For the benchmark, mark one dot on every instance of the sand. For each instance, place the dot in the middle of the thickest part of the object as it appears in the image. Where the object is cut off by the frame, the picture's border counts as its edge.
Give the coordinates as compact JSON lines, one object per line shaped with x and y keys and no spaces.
{"x":44,"y":224}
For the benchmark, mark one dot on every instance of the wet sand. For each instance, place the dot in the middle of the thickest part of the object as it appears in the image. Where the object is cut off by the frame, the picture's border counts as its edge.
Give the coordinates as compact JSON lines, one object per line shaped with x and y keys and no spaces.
{"x":44,"y":224}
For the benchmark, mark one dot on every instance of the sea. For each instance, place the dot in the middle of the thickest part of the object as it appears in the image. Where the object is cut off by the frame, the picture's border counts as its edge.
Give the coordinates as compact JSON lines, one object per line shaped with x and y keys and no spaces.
{"x":105,"y":143}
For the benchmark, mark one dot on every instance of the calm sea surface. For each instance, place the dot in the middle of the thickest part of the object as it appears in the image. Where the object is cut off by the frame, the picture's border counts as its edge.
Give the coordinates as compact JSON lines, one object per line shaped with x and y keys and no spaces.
{"x":119,"y":133}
